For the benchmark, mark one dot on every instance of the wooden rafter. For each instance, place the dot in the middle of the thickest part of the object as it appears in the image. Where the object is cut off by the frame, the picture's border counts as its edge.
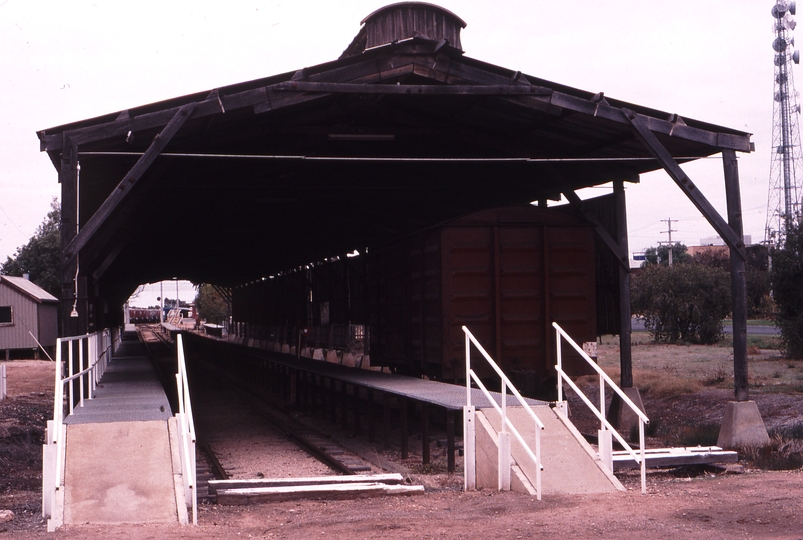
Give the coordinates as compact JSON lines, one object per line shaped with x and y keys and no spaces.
{"x":651,"y":142}
{"x":120,"y":193}
{"x":601,"y":231}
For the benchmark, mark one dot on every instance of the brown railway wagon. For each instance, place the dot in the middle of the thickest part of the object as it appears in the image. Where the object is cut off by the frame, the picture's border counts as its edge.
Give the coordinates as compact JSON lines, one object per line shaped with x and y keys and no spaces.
{"x":506,"y":274}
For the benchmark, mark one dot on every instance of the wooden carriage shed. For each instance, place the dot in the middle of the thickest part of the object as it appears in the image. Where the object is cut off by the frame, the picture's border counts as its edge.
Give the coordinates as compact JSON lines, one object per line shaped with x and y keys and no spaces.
{"x":400,"y":133}
{"x":28,"y":314}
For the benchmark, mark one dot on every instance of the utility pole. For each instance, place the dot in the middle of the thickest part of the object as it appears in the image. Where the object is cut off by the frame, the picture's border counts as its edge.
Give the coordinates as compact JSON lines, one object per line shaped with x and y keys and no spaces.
{"x":669,"y":231}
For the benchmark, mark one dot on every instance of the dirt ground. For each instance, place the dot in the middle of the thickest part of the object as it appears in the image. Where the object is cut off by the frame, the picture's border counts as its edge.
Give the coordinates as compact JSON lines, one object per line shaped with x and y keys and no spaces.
{"x":686,"y":503}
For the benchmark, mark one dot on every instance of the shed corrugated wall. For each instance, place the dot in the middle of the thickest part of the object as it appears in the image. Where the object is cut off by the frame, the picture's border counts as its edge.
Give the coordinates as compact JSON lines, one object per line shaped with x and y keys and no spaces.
{"x":25,"y":318}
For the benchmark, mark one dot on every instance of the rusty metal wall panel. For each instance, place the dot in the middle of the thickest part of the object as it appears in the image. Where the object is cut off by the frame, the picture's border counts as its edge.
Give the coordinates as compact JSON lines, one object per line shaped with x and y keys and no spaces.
{"x":505,"y":274}
{"x":572,"y":289}
{"x":520,"y":316}
{"x":468,"y":292}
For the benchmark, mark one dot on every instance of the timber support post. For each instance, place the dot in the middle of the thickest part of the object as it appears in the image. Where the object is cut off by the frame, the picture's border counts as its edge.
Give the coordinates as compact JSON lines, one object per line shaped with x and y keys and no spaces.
{"x":737,"y":269}
{"x":625,"y":315}
{"x":68,"y":178}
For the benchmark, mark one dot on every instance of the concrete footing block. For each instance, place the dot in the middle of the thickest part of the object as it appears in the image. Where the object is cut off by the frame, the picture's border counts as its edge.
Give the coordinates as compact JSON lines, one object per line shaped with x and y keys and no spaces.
{"x":622,"y":416}
{"x":742,"y":426}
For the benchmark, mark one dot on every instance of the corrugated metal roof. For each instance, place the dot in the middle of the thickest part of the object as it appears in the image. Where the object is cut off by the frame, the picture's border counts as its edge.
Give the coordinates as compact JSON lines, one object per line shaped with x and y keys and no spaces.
{"x":29,"y":288}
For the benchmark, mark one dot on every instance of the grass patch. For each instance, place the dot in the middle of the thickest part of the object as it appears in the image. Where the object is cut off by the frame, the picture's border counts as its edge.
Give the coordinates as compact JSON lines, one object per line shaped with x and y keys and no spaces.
{"x":755,"y":341}
{"x":657,"y":383}
{"x":785,"y":451}
{"x":718,"y":375}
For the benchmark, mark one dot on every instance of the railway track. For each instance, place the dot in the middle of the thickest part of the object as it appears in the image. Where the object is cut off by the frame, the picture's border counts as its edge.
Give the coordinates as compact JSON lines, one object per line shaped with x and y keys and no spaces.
{"x":240,"y":434}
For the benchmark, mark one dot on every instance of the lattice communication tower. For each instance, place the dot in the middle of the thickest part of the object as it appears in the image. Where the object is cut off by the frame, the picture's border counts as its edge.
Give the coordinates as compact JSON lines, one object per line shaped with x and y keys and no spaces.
{"x":786,"y":185}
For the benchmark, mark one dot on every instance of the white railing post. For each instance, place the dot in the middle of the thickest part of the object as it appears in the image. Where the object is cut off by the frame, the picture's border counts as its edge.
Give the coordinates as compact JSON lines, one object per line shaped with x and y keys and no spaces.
{"x":606,"y":430}
{"x":504,"y":446}
{"x":69,"y":373}
{"x":504,"y":457}
{"x":3,"y":382}
{"x":560,"y":366}
{"x":602,"y":399}
{"x":469,"y":430}
{"x":643,"y":457}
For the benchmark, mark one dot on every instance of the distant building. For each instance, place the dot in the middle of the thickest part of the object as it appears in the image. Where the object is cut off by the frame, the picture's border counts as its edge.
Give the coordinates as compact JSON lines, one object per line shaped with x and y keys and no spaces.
{"x":718,"y":241}
{"x":715,"y":244}
{"x":26,"y":311}
{"x":694,"y":250}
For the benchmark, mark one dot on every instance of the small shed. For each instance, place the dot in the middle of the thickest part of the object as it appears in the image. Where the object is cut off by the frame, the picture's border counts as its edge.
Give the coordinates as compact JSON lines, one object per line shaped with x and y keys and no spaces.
{"x":26,"y":312}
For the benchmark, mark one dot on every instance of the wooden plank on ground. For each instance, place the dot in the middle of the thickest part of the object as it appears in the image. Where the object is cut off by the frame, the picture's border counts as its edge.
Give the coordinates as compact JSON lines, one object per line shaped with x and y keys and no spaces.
{"x":392,"y":478}
{"x":330,"y":491}
{"x":675,"y":457}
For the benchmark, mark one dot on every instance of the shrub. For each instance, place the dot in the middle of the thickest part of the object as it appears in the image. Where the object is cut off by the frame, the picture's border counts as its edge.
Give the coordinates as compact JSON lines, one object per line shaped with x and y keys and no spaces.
{"x":786,"y":278}
{"x":682,"y":302}
{"x":785,"y":451}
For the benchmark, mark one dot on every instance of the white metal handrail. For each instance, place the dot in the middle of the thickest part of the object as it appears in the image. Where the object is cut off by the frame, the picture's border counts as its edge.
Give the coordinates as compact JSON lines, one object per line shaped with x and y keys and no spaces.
{"x":91,"y":353}
{"x":186,"y":428}
{"x":606,"y":426}
{"x":504,"y":440}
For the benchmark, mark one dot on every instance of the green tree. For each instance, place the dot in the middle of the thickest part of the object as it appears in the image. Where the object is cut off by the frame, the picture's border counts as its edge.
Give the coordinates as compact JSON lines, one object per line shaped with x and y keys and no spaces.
{"x":683,"y":302}
{"x":756,"y":276}
{"x":660,"y":254}
{"x":211,"y":305}
{"x":786,"y":278}
{"x":40,"y":256}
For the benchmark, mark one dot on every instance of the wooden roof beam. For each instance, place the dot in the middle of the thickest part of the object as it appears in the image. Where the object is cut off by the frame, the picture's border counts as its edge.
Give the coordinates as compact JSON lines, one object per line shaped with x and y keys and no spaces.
{"x":415,"y":89}
{"x":123,"y":189}
{"x":460,"y":78}
{"x":595,"y":105}
{"x":654,"y":146}
{"x":602,"y":232}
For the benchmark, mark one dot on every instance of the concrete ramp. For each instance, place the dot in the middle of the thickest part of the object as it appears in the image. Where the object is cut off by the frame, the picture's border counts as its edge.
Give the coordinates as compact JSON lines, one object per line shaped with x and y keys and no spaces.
{"x":571,"y":465}
{"x":119,"y":472}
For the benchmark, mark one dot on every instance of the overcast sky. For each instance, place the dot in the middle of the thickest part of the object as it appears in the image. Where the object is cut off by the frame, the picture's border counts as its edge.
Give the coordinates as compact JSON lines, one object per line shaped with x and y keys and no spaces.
{"x":62,"y":62}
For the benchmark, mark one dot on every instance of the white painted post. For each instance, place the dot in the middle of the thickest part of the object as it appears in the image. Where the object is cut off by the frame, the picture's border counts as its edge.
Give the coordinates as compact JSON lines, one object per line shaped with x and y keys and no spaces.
{"x":504,"y":461}
{"x":469,"y":449}
{"x":70,"y":384}
{"x":605,"y":442}
{"x":48,"y":471}
{"x":81,"y":358}
{"x":602,"y":400}
{"x":643,"y":457}
{"x":469,"y":433}
{"x":3,"y":387}
{"x":560,"y":366}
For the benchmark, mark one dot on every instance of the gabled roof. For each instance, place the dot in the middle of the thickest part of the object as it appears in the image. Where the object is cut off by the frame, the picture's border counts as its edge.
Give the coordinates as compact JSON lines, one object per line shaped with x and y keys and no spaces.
{"x":28,"y":288}
{"x":259,"y":177}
